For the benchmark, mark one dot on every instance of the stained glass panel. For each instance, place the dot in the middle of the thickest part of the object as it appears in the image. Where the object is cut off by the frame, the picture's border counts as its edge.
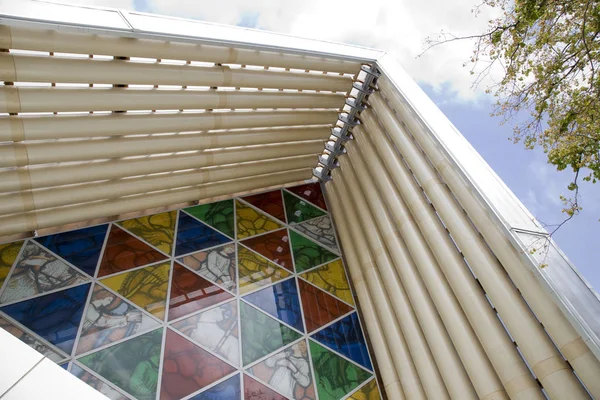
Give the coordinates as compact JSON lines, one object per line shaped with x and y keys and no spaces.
{"x":219,"y":301}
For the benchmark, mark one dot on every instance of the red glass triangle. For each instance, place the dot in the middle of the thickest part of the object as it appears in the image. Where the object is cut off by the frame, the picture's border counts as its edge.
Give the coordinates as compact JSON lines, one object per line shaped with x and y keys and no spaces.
{"x":190,"y":292}
{"x":124,"y":251}
{"x":254,"y":390}
{"x":188,"y":368}
{"x":275,"y":246}
{"x":311,"y":192}
{"x":319,"y":307}
{"x":270,"y":202}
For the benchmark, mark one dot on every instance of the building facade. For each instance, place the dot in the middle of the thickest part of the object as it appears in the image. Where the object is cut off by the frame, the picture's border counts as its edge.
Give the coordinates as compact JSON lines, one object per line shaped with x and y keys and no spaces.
{"x":195,"y":211}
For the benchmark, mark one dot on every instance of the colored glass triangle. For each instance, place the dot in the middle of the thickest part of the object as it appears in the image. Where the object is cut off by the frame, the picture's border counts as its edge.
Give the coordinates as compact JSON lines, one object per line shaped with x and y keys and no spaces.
{"x":320,"y":230}
{"x":370,"y":391}
{"x":188,"y":368}
{"x":308,"y":254}
{"x":273,"y":245}
{"x":81,"y":247}
{"x":216,"y":264}
{"x":281,"y":301}
{"x":346,"y":337}
{"x":277,"y":372}
{"x":332,"y":278}
{"x":335,"y":376}
{"x":38,"y":271}
{"x":95,"y":382}
{"x":256,"y":271}
{"x":261,"y":334}
{"x":157,"y":229}
{"x":311,"y":192}
{"x":216,"y":329}
{"x":146,"y":287}
{"x":55,"y":317}
{"x":299,"y":210}
{"x":254,"y":390}
{"x":219,"y":215}
{"x":251,"y":222}
{"x":319,"y":307}
{"x":229,"y":389}
{"x":193,"y":235}
{"x":124,"y":251}
{"x":109,"y":318}
{"x":269,"y":202}
{"x":131,"y":365}
{"x":32,"y":341}
{"x":8,"y":255}
{"x":190,"y":292}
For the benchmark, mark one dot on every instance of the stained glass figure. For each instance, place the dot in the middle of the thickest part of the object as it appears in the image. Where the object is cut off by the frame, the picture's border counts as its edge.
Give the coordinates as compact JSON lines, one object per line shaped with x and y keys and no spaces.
{"x":38,"y":271}
{"x":335,"y":376}
{"x":109,"y":318}
{"x":30,"y":340}
{"x":288,"y":372}
{"x":8,"y":256}
{"x":55,"y":317}
{"x":254,"y":390}
{"x":157,"y":229}
{"x":273,"y":245}
{"x":131,"y":365}
{"x":311,"y":192}
{"x":97,"y":383}
{"x":319,"y":308}
{"x":369,"y":391}
{"x":269,"y":202}
{"x":298,"y":210}
{"x":281,"y":301}
{"x":216,"y":329}
{"x":193,"y":235}
{"x":346,"y":337}
{"x":216,"y":264}
{"x":262,"y":334}
{"x":308,"y":254}
{"x":229,"y":389}
{"x":190,"y":292}
{"x":146,"y":287}
{"x":187,"y":368}
{"x":331,"y":277}
{"x":219,"y":215}
{"x":123,"y":252}
{"x":320,"y":230}
{"x":251,"y":222}
{"x":256,"y":271}
{"x":80,"y":247}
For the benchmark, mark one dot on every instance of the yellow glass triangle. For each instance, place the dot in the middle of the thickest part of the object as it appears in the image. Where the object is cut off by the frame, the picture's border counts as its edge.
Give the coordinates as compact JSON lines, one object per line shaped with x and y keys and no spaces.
{"x":370,"y":391}
{"x":331,"y":277}
{"x":8,"y":255}
{"x":146,"y":287}
{"x":251,"y":222}
{"x":256,"y":271}
{"x":157,"y":229}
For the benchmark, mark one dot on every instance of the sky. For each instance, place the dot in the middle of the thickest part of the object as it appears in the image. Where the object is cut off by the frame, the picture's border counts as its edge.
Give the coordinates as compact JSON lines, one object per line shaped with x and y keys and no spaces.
{"x":400,"y":27}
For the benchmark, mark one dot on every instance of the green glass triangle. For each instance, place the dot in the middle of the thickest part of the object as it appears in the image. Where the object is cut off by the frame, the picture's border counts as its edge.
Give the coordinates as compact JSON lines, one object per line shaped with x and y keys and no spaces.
{"x":219,"y":215}
{"x":308,"y":254}
{"x":299,"y":210}
{"x":335,"y":376}
{"x":261,"y":334}
{"x":131,"y":365}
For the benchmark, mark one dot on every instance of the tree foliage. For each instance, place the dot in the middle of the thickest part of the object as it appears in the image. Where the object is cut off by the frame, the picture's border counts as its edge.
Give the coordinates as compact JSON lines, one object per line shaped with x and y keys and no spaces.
{"x":549,"y":51}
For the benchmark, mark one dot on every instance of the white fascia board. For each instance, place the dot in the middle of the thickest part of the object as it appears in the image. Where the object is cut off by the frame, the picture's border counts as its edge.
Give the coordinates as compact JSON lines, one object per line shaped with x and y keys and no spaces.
{"x":34,"y":13}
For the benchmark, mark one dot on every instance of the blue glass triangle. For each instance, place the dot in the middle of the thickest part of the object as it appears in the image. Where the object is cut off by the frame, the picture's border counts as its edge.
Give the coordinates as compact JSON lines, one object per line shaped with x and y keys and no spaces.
{"x":281,"y":301}
{"x":193,"y":235}
{"x":346,"y":337}
{"x":81,"y":247}
{"x":55,"y":316}
{"x":227,"y":390}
